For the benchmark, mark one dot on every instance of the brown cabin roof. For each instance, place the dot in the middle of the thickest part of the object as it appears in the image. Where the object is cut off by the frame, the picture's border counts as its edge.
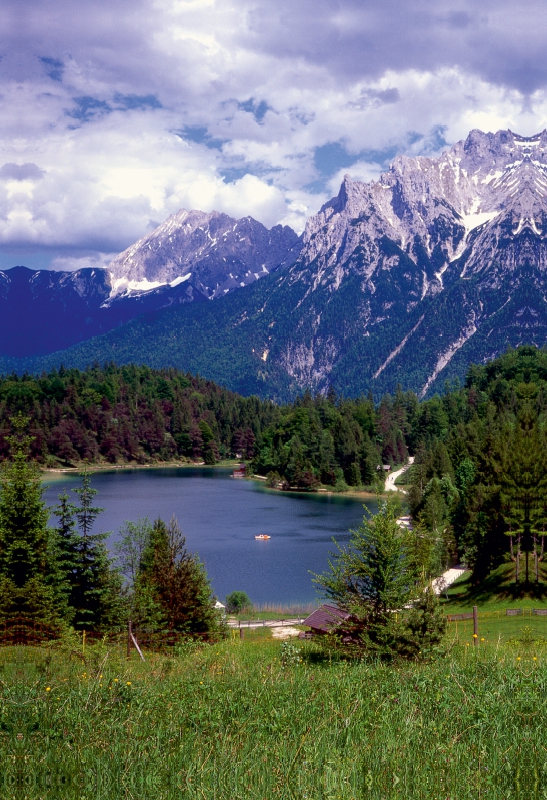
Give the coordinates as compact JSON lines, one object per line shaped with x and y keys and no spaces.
{"x":325,"y":617}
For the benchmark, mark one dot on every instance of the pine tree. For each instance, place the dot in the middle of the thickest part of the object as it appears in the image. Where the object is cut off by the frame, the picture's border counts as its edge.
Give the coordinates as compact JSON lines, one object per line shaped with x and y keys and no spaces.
{"x":371,"y":579}
{"x":375,"y":573}
{"x":177,"y":582}
{"x":31,"y":582}
{"x":95,"y":591}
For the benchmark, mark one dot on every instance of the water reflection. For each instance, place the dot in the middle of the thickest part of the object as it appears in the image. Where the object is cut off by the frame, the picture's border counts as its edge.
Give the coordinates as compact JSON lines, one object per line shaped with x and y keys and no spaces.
{"x":220,"y":517}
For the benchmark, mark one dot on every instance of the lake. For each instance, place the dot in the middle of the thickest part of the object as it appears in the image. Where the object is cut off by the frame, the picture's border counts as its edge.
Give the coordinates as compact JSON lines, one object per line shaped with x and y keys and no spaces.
{"x":220,"y":516}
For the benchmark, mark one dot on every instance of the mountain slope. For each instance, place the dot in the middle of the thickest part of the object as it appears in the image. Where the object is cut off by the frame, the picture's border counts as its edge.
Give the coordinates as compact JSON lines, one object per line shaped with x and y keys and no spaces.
{"x":191,"y":257}
{"x":42,"y":311}
{"x":212,"y":251}
{"x":407,"y":279}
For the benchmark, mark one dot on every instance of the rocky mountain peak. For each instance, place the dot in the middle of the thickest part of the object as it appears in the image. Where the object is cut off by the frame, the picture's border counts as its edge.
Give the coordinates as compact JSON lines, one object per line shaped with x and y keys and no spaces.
{"x":211,"y":251}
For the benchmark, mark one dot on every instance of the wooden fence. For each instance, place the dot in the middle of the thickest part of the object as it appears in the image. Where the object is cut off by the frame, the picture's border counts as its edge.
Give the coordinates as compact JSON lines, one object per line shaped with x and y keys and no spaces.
{"x":470,"y":625}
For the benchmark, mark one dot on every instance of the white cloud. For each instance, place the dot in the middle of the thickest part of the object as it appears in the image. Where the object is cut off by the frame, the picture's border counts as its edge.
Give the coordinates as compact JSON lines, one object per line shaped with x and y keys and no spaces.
{"x":81,"y":261}
{"x":128,"y":112}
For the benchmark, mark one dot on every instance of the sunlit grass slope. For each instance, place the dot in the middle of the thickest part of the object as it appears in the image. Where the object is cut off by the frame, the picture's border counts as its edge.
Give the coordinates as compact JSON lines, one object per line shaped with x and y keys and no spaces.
{"x":233,"y":721}
{"x":497,"y":592}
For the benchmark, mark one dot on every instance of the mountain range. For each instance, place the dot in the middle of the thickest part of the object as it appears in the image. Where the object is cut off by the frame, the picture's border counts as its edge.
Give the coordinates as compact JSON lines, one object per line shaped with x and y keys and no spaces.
{"x":192,"y":256}
{"x":407,"y":279}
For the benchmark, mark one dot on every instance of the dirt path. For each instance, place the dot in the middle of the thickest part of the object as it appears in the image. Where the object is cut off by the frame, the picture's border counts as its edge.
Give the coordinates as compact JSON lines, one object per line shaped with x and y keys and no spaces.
{"x":392,"y":477}
{"x":448,"y":578}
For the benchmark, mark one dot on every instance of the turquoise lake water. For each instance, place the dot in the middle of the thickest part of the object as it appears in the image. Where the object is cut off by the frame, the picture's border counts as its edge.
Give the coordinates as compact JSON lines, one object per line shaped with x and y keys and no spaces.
{"x":220,"y":516}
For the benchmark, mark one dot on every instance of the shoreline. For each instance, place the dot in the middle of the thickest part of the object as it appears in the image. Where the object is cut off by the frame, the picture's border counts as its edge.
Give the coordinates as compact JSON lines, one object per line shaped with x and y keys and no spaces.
{"x":156,"y":465}
{"x":231,"y":464}
{"x":356,"y":495}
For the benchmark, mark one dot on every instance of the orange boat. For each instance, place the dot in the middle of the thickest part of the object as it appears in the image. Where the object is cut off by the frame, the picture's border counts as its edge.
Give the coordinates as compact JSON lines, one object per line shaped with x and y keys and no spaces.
{"x":263,"y":536}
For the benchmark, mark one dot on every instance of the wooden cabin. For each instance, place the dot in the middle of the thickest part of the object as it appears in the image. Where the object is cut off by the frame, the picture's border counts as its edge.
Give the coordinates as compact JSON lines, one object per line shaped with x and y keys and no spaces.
{"x":322,"y":620}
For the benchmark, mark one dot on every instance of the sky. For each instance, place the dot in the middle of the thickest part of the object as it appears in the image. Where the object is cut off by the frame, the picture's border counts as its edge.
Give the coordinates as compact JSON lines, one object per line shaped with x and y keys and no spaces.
{"x":115,"y":114}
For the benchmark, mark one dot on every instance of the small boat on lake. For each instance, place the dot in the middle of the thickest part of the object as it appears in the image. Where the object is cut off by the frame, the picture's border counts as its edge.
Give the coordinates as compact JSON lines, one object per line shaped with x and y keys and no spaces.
{"x":263,"y":536}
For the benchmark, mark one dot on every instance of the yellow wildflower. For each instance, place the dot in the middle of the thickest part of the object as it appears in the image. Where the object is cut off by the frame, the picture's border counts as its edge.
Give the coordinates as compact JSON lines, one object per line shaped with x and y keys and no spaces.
{"x":48,"y":688}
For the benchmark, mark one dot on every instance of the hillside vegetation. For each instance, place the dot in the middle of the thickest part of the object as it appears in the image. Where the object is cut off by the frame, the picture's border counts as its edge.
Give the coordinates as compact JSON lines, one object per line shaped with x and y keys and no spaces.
{"x":255,"y":720}
{"x":137,"y":415}
{"x":130,"y":414}
{"x":480,"y":475}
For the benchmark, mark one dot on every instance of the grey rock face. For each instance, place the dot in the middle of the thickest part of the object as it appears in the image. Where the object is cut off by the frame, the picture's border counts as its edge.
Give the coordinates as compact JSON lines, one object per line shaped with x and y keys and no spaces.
{"x":469,"y":225}
{"x":212,"y":252}
{"x":432,"y":210}
{"x":408,"y":279}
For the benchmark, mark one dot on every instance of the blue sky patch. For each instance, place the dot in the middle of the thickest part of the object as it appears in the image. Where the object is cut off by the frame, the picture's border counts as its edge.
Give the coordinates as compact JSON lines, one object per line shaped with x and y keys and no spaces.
{"x":88,"y":108}
{"x":258,"y":110}
{"x":131,"y":101}
{"x":232,"y":174}
{"x":200,"y":135}
{"x":54,"y":68}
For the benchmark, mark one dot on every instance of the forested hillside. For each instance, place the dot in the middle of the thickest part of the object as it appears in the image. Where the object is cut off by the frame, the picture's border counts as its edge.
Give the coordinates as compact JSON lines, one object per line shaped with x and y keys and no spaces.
{"x":138,"y":415}
{"x":480,"y":477}
{"x":130,"y":414}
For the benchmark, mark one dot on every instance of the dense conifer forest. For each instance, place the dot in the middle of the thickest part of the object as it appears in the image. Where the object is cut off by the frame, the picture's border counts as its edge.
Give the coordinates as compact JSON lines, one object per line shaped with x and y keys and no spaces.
{"x":477,"y":489}
{"x":130,"y":415}
{"x":138,"y":415}
{"x":479,"y":481}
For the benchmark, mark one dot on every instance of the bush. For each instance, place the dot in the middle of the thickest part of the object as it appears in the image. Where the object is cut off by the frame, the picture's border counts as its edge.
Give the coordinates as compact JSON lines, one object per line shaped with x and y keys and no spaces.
{"x":291,"y":655}
{"x":237,"y":601}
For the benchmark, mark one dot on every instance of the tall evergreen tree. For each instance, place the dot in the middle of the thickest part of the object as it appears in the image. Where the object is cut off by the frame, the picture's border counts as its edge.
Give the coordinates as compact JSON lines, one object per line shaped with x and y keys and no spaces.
{"x":178,"y":583}
{"x":31,"y":582}
{"x":95,"y":583}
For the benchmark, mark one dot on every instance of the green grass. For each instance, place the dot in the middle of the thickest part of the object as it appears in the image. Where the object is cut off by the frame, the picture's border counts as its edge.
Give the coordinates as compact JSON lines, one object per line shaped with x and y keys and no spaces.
{"x":229,"y":721}
{"x":497,"y":592}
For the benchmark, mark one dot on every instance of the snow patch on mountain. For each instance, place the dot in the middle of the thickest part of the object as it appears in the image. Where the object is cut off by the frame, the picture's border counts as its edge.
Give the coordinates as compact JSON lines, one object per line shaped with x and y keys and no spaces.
{"x":214,"y":252}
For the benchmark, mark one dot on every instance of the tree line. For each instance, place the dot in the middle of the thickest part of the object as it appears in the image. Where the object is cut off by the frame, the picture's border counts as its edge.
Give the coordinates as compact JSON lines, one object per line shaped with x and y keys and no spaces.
{"x":130,"y":414}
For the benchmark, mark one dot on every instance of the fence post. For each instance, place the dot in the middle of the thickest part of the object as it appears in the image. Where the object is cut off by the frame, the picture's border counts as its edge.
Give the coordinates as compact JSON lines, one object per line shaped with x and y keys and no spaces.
{"x":241,"y":633}
{"x":475,"y":625}
{"x":129,"y":634}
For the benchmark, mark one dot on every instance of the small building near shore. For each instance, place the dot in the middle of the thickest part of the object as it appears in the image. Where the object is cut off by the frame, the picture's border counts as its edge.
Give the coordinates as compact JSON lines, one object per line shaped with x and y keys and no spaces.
{"x":324,"y":618}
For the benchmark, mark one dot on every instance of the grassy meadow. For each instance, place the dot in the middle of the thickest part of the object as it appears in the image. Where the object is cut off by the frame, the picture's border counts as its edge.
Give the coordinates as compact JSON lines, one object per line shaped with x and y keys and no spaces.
{"x":497,"y":592}
{"x":256,"y":719}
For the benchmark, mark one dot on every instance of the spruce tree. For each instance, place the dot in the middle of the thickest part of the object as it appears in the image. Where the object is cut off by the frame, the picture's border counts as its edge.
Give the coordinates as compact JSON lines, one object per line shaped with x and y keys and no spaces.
{"x":177,"y":582}
{"x":32,"y":584}
{"x":68,"y":549}
{"x":95,"y":589}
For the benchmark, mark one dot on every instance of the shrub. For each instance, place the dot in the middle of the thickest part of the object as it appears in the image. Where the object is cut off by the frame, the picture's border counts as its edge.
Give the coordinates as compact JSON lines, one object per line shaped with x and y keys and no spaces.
{"x":237,"y":601}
